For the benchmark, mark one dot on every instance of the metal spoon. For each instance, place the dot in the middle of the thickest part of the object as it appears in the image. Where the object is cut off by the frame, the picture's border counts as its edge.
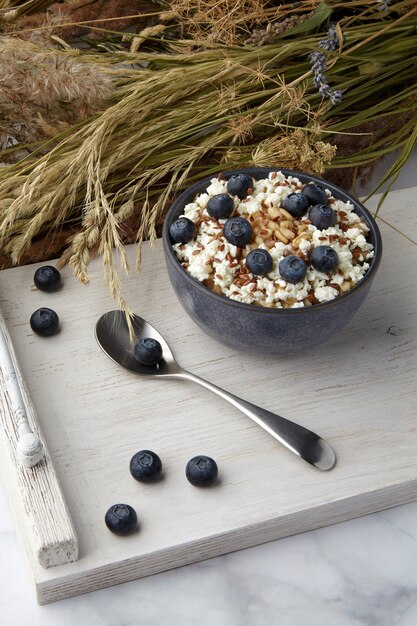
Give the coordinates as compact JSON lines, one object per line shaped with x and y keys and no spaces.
{"x":112,"y":334}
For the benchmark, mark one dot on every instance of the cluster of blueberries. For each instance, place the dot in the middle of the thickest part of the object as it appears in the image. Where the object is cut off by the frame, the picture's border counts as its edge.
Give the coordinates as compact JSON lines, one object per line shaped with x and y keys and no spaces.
{"x":146,"y":466}
{"x":238,"y":230}
{"x":44,"y":321}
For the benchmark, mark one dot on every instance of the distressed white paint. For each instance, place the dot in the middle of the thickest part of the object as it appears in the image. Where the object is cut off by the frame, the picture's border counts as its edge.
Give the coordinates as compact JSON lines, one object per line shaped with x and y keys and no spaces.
{"x":357,"y":391}
{"x":29,"y":447}
{"x":30,"y":478}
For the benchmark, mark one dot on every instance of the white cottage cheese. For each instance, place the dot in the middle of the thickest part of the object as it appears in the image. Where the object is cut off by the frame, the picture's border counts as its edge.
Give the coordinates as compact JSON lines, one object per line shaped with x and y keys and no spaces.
{"x":221,"y":266}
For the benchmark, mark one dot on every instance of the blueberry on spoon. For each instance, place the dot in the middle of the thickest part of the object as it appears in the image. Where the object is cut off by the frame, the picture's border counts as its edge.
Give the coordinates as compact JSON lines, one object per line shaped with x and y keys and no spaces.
{"x":148,"y":351}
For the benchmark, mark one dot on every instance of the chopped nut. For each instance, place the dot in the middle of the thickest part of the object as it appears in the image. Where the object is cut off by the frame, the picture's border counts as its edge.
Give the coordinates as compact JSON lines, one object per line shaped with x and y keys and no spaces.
{"x":279,"y":235}
{"x":287,"y":215}
{"x":273,"y":212}
{"x":287,"y":232}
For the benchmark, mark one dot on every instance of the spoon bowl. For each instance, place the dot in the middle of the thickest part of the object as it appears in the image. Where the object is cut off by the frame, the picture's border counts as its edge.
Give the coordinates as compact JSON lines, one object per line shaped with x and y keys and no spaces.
{"x":112,"y":333}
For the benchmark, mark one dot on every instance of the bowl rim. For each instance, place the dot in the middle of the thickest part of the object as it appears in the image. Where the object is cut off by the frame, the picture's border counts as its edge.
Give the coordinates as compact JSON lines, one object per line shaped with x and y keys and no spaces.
{"x":337,"y":191}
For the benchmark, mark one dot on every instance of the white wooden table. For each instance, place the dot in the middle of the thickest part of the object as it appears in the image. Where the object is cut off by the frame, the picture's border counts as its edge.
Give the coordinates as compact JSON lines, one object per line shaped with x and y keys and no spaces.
{"x":401,"y":339}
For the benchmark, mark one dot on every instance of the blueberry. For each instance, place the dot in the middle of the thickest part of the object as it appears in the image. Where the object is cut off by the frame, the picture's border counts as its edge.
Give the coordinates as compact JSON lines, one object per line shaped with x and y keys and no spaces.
{"x":44,"y":322}
{"x":324,"y":259}
{"x":238,"y":231}
{"x":47,"y":278}
{"x":182,"y":230}
{"x":296,"y":204}
{"x":315,"y":193}
{"x":121,"y":519}
{"x":148,"y":351}
{"x":220,"y":207}
{"x":259,"y":261}
{"x":292,"y":268}
{"x":322,"y":216}
{"x":201,"y":471}
{"x":145,"y":465}
{"x":239,"y":185}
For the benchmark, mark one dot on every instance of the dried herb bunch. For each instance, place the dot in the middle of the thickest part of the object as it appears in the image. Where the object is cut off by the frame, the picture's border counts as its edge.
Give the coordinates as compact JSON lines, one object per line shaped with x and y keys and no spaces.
{"x":84,"y":20}
{"x":186,"y":115}
{"x":43,"y":92}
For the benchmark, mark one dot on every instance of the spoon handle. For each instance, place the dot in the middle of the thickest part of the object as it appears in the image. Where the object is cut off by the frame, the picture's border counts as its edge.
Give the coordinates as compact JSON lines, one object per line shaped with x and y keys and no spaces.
{"x":296,"y":438}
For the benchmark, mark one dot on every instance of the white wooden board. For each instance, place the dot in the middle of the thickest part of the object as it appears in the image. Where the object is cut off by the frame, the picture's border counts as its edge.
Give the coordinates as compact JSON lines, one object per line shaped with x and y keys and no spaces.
{"x":357,"y":391}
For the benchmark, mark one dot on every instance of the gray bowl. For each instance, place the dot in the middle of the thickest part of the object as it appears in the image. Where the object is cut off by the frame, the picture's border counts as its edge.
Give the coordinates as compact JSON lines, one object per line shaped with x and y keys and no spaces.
{"x":250,"y":328}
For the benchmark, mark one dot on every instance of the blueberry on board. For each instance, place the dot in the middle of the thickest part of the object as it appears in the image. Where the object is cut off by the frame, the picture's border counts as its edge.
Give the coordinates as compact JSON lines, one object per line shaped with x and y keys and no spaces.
{"x":259,"y":261}
{"x":47,"y":278}
{"x":44,"y":322}
{"x":292,"y":269}
{"x":145,"y":466}
{"x":220,"y":207}
{"x":239,"y":185}
{"x":201,"y":471}
{"x":324,"y":259}
{"x":322,"y":216}
{"x":315,"y":193}
{"x":182,"y":230}
{"x":121,"y":519}
{"x":296,"y":204}
{"x":238,"y":231}
{"x":148,"y":351}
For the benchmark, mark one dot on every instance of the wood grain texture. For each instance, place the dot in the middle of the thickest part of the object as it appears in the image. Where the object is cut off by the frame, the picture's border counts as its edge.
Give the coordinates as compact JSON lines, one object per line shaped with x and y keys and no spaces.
{"x":34,"y":491}
{"x":357,"y":391}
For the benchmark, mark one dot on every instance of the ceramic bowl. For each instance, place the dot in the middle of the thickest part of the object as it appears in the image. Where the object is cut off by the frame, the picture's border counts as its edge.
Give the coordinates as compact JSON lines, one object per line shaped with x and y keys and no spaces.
{"x":250,"y":328}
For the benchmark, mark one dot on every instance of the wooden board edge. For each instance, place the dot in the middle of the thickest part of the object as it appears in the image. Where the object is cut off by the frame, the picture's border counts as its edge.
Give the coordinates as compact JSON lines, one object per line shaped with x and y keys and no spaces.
{"x":34,"y":494}
{"x":217,"y":545}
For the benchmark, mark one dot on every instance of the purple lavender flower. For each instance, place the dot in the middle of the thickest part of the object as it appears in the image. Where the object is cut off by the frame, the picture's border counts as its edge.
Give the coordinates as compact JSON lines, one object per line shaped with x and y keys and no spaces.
{"x":319,"y":66}
{"x":331,"y":42}
{"x":383,"y":5}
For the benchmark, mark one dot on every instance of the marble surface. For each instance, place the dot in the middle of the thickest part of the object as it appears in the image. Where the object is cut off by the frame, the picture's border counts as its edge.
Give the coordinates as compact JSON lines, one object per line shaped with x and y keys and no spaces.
{"x":358,"y":573}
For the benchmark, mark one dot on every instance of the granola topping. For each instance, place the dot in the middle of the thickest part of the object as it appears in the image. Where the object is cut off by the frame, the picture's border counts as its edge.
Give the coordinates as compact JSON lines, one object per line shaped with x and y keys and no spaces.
{"x":221,"y":266}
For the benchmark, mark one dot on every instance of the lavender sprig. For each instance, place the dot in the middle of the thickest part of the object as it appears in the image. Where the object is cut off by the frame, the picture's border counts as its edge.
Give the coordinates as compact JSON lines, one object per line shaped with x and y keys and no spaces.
{"x":319,"y":67}
{"x":383,"y":5}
